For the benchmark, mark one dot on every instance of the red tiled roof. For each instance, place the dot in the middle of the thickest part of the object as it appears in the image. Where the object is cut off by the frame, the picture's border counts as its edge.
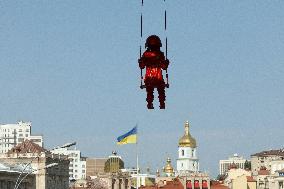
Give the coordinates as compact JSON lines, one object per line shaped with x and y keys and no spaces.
{"x":270,"y":153}
{"x":27,"y":147}
{"x":175,"y":184}
{"x":250,"y":179}
{"x":217,"y":185}
{"x":263,"y":172}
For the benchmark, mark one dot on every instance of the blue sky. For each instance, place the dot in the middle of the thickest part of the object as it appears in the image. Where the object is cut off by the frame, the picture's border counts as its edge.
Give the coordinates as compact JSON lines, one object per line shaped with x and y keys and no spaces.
{"x":71,"y":68}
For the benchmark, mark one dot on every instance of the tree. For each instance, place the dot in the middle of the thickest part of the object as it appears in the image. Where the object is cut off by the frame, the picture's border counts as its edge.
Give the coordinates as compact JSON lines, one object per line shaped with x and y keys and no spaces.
{"x":247,"y":165}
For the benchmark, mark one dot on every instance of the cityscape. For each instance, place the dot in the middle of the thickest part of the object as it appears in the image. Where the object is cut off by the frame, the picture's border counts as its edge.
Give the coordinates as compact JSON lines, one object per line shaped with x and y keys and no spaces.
{"x":64,"y":166}
{"x":141,"y":94}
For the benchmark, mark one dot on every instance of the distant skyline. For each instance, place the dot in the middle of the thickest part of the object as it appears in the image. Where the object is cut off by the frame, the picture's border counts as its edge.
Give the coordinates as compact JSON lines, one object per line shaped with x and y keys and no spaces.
{"x":71,"y":69}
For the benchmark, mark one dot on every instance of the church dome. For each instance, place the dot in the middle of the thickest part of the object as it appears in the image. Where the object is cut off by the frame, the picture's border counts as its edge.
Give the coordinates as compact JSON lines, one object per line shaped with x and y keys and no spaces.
{"x":168,"y":169}
{"x":187,"y":140}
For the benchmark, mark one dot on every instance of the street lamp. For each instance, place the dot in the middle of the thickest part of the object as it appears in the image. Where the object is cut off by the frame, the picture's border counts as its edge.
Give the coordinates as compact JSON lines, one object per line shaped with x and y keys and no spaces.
{"x":45,"y":167}
{"x":69,"y":144}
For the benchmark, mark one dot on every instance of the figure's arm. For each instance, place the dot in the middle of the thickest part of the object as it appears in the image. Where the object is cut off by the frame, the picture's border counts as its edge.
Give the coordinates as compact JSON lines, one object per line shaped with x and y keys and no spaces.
{"x":165,"y":62}
{"x":141,"y":62}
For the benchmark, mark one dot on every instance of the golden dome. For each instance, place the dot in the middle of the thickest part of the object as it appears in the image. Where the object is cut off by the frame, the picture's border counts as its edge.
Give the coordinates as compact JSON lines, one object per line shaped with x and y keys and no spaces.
{"x":187,"y":140}
{"x":169,"y":168}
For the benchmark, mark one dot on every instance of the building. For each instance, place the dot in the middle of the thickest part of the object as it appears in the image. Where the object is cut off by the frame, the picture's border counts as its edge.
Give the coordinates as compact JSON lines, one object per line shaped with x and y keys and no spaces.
{"x":168,"y":169}
{"x":240,"y":162}
{"x":95,"y":166}
{"x":239,"y":178}
{"x":14,"y":134}
{"x":77,"y":166}
{"x":268,"y":169}
{"x":188,"y":163}
{"x":267,"y":159}
{"x":113,"y":164}
{"x":37,"y":159}
{"x":9,"y":175}
{"x":187,"y":153}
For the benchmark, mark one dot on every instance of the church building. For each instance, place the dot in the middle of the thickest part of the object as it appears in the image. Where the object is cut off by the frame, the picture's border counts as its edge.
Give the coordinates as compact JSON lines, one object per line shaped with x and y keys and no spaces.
{"x":187,"y":156}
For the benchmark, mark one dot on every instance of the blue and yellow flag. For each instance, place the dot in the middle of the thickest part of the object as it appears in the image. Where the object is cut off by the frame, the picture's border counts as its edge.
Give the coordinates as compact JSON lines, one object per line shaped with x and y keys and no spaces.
{"x":128,"y":138}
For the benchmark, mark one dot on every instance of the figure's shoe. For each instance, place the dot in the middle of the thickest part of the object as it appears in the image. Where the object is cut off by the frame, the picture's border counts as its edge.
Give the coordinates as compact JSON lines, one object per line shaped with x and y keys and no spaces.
{"x":162,"y":106}
{"x":150,"y":106}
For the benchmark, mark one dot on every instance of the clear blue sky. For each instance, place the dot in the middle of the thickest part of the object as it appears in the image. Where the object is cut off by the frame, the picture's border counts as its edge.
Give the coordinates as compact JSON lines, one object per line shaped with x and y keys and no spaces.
{"x":71,"y":68}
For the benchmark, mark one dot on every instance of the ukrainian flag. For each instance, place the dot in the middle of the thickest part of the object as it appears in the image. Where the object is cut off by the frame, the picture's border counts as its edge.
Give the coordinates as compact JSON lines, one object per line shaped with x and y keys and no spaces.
{"x":129,"y":137}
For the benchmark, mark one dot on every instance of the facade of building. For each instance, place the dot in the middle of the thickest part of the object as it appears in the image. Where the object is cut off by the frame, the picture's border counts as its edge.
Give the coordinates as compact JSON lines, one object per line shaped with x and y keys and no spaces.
{"x":224,"y":165}
{"x":14,"y":134}
{"x":268,"y":169}
{"x":77,"y":166}
{"x":9,"y":175}
{"x":266,"y":159}
{"x":270,"y":181}
{"x":113,"y":164}
{"x":239,"y":178}
{"x":187,"y":171}
{"x":95,"y":166}
{"x":187,"y":153}
{"x":37,"y":159}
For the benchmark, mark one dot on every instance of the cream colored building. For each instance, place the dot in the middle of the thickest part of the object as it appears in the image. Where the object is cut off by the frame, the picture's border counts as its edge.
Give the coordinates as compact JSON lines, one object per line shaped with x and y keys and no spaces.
{"x":243,"y":182}
{"x":265,"y":159}
{"x":38,"y":158}
{"x":95,"y":166}
{"x":239,"y":179}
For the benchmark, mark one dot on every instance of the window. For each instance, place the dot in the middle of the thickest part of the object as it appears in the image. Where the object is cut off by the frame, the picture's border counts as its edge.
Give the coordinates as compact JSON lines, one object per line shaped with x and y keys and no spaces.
{"x":20,"y":130}
{"x":182,"y":152}
{"x":20,"y":135}
{"x":36,"y":140}
{"x":83,"y":166}
{"x":83,"y":171}
{"x":27,"y":135}
{"x":27,"y":130}
{"x":20,"y":140}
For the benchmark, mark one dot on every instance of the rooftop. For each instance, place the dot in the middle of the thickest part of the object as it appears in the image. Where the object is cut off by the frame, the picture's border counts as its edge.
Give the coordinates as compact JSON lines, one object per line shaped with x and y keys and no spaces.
{"x":217,"y":185}
{"x":279,"y":152}
{"x":174,"y":184}
{"x":27,"y":147}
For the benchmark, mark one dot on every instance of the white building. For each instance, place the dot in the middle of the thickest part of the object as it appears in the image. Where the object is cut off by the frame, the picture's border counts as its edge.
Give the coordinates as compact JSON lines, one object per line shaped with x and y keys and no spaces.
{"x":224,"y":165}
{"x":187,"y":156}
{"x":77,"y":166}
{"x":13,"y":134}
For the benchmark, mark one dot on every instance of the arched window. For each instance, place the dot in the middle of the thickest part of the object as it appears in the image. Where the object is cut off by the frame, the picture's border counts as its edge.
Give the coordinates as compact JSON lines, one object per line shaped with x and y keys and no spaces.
{"x":182,"y":152}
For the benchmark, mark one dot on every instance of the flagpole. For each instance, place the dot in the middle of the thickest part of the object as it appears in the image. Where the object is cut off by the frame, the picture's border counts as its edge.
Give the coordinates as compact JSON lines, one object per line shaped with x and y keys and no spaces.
{"x":137,"y":165}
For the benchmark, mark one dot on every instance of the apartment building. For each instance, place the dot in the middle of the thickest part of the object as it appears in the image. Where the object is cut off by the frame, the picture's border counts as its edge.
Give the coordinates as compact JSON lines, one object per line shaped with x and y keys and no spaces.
{"x":14,"y":134}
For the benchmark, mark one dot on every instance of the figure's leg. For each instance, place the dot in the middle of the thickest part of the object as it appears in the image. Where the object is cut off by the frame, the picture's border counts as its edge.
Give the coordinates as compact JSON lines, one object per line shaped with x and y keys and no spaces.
{"x":150,"y":96}
{"x":162,"y":96}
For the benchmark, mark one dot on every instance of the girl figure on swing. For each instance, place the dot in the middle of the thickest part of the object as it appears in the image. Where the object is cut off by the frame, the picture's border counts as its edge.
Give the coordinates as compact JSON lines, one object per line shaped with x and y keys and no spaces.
{"x":154,"y":61}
